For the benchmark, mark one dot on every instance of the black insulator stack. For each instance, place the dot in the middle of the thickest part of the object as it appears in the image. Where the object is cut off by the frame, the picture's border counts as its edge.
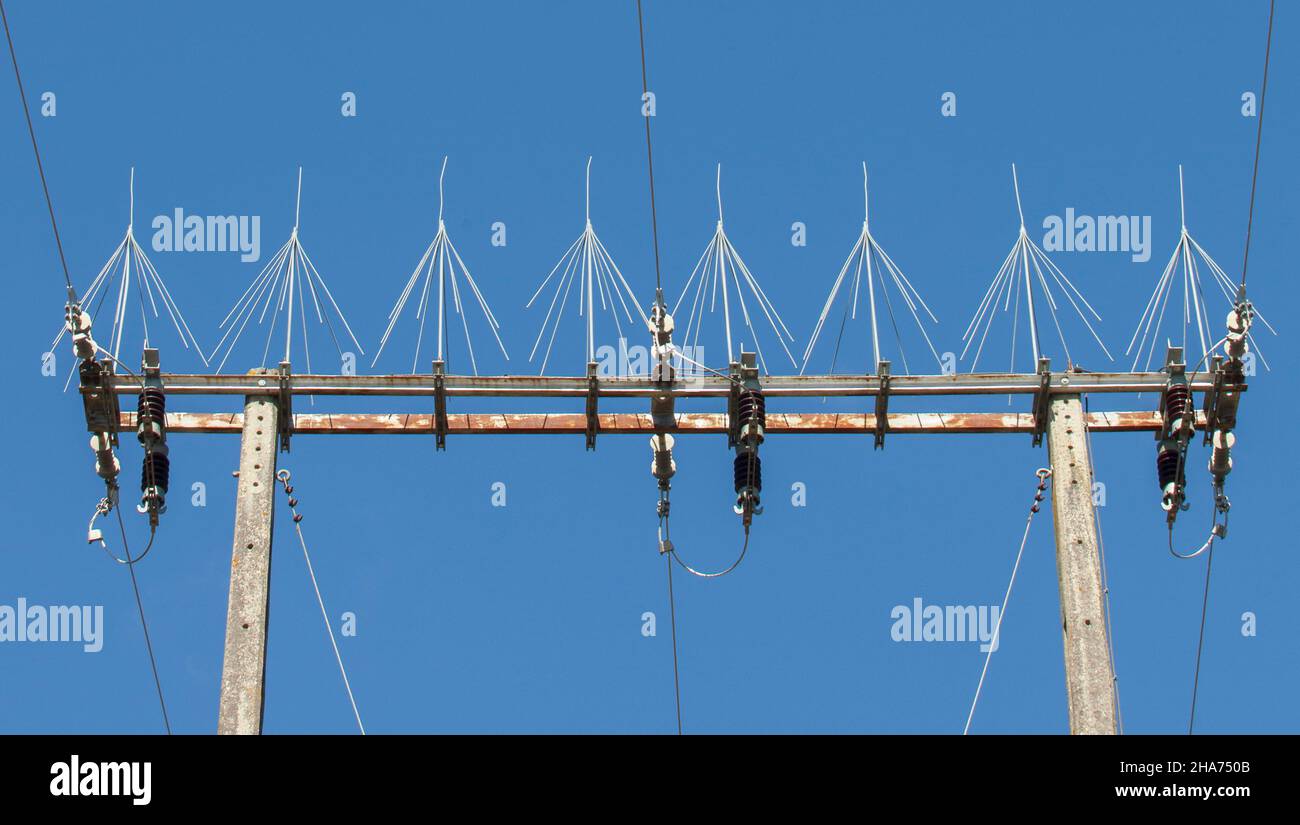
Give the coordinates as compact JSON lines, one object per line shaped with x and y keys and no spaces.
{"x":1178,"y":402}
{"x":152,"y":404}
{"x":749,"y":472}
{"x":1167,"y":465}
{"x":751,"y":409}
{"x":155,"y":471}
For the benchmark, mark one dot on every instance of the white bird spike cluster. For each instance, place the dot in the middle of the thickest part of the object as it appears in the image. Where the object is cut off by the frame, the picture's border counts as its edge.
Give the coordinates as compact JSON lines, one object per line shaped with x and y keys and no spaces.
{"x":869,"y":255}
{"x":1194,"y":304}
{"x":441,"y":257}
{"x":590,"y":265}
{"x":284,"y":279}
{"x":720,"y":264}
{"x":128,"y":261}
{"x":1025,"y":264}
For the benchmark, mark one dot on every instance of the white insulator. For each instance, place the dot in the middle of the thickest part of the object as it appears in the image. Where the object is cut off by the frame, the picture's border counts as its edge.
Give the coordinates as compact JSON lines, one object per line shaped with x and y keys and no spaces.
{"x":1237,"y":322}
{"x":663,"y":466}
{"x":1220,"y":457}
{"x":80,"y":323}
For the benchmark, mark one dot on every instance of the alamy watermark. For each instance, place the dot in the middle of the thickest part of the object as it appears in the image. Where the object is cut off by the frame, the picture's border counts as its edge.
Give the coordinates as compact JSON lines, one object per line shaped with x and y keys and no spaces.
{"x":920,"y":622}
{"x":76,"y":778}
{"x":1103,"y":233}
{"x":56,"y":623}
{"x":179,"y":232}
{"x":635,"y":361}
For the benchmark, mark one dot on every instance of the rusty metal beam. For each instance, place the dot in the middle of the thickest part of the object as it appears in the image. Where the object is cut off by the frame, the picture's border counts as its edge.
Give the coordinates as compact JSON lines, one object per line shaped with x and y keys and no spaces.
{"x":689,"y":386}
{"x":642,"y":424}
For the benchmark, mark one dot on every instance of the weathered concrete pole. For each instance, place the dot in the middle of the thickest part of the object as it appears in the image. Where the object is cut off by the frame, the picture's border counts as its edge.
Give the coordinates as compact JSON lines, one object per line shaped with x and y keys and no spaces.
{"x":243,"y":672}
{"x":1089,"y":679}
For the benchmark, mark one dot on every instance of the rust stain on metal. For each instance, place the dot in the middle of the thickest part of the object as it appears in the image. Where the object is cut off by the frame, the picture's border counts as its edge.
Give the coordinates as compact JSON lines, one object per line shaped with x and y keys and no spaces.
{"x":642,"y":423}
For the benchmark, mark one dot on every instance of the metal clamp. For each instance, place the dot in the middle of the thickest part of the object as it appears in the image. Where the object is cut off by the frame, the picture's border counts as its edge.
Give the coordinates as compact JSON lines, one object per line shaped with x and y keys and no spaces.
{"x":285,"y":374}
{"x":1042,"y":400}
{"x":99,"y":399}
{"x":440,"y":403}
{"x":882,"y":403}
{"x":1211,"y":407}
{"x":593,"y":397}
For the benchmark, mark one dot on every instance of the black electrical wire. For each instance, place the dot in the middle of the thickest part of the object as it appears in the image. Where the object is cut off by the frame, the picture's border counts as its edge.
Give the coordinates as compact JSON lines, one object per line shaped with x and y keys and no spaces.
{"x":1259,"y":135}
{"x":649,"y":154}
{"x":40,"y":168}
{"x":153,"y":663}
{"x":1200,"y":642}
{"x":1245,"y":260}
{"x":672,"y":614}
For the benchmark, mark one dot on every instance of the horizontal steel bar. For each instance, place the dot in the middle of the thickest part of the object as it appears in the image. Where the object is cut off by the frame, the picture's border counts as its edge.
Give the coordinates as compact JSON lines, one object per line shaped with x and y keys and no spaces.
{"x":697,"y":386}
{"x":641,"y":423}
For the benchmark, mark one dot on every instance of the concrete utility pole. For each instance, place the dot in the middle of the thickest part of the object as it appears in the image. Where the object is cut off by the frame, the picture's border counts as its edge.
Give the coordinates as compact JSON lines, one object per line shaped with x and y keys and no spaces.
{"x":243,"y":674}
{"x":1089,"y":679}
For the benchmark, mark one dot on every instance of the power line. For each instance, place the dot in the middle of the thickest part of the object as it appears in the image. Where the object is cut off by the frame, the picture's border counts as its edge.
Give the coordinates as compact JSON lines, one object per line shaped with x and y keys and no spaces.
{"x":1259,"y":134}
{"x":1200,"y":642}
{"x":650,"y":158}
{"x":144,"y":624}
{"x":672,"y":613}
{"x":654,"y":229}
{"x":1245,"y":259}
{"x":31,"y":130}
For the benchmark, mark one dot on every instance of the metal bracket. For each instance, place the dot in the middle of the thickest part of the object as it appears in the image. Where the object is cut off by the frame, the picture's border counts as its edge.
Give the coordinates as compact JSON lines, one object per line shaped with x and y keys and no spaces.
{"x":1042,"y":399}
{"x":98,"y":398}
{"x":733,"y":396}
{"x":882,"y":403}
{"x":1212,"y":398}
{"x":593,"y":397}
{"x":285,"y":427}
{"x":440,"y":403}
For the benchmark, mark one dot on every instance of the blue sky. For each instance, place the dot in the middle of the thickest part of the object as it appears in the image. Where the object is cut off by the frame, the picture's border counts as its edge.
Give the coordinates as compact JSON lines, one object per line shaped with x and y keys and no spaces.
{"x":474,"y":618}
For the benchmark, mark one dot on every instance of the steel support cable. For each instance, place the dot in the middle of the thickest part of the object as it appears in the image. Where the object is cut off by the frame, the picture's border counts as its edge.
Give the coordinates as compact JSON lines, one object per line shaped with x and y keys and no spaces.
{"x":1042,"y":474}
{"x":283,"y":477}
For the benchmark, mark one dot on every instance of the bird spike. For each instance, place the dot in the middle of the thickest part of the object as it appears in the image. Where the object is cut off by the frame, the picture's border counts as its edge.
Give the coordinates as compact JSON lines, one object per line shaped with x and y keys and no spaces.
{"x":718,"y":268}
{"x":1023,"y":265}
{"x":286,"y":277}
{"x":130,"y":263}
{"x":588,"y":264}
{"x":442,"y":259}
{"x":1182,"y":266}
{"x":881,"y":270}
